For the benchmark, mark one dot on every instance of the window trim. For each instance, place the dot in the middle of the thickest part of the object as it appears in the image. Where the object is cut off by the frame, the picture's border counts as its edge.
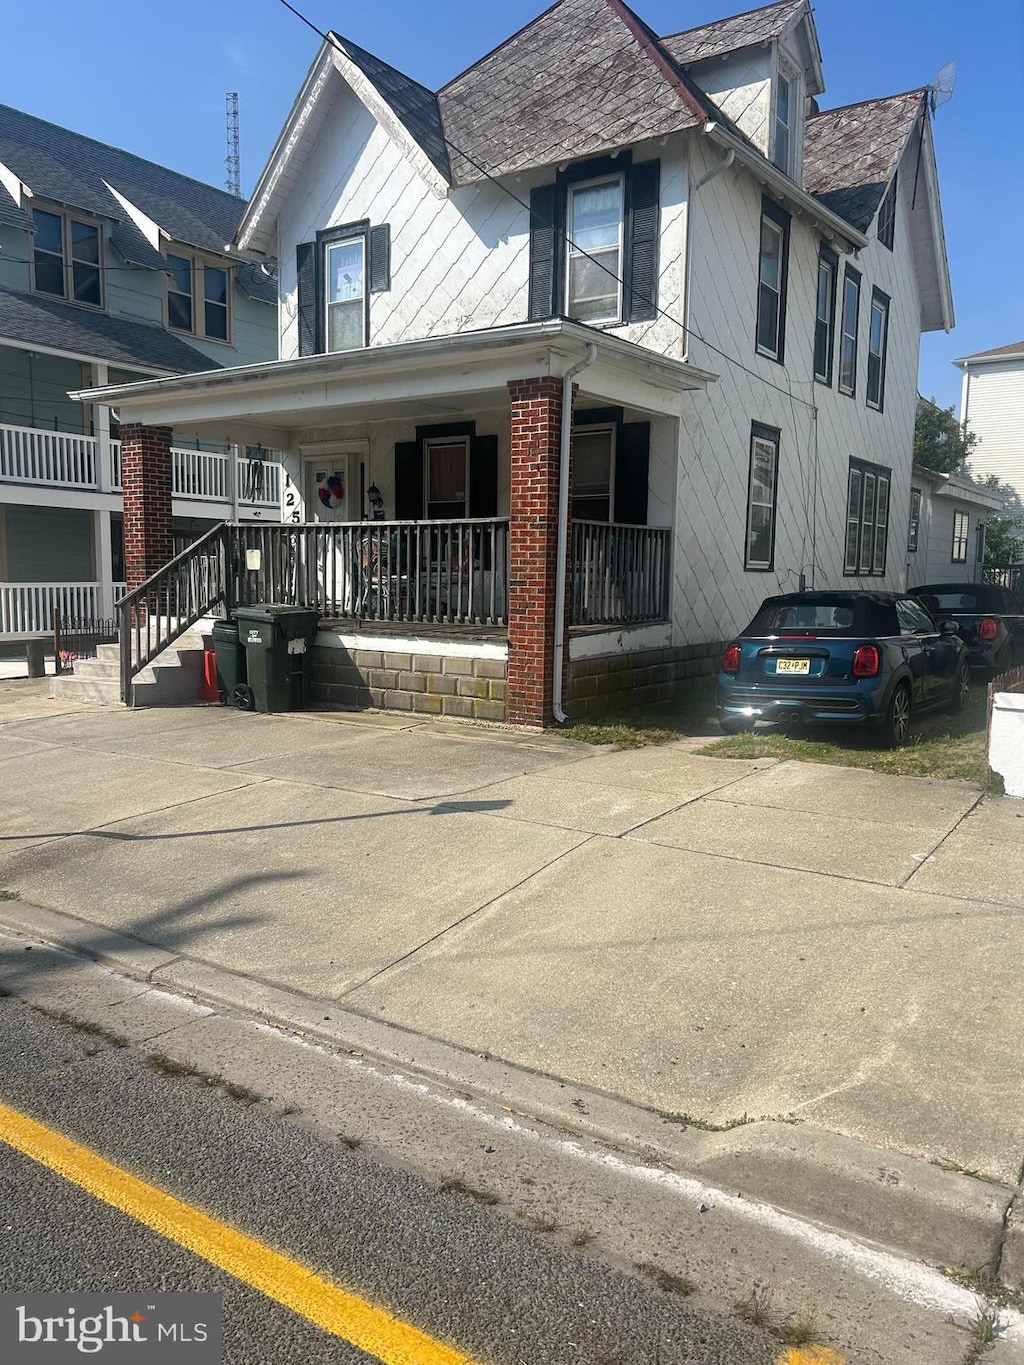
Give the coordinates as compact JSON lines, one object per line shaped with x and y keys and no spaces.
{"x":830,"y":258}
{"x":438,"y":438}
{"x":198,"y":263}
{"x":768,"y":436}
{"x":914,"y":528}
{"x":886,"y":232}
{"x":610,"y":424}
{"x":781,"y":220}
{"x":880,"y":476}
{"x":883,"y":302}
{"x":619,"y":178}
{"x":854,"y":277}
{"x":67,"y":217}
{"x":328,"y":237}
{"x":960,"y":539}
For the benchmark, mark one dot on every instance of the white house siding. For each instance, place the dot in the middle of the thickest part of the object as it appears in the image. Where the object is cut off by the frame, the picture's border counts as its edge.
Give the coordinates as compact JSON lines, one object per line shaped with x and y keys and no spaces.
{"x":713,"y":595}
{"x":741,"y":86}
{"x":936,"y":553}
{"x":993,"y":407}
{"x":458,"y":262}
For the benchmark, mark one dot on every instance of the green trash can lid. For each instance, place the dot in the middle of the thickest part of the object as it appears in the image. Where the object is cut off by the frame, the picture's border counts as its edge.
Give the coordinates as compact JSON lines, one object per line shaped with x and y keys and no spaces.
{"x":290,"y":621}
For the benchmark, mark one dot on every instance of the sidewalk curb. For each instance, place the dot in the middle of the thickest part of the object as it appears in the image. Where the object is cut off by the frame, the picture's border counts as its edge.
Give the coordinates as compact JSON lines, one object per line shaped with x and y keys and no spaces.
{"x":903,"y":1202}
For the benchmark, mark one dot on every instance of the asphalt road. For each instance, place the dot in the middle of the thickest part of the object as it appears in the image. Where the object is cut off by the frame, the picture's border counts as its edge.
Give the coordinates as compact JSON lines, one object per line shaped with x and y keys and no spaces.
{"x":461,"y":1273}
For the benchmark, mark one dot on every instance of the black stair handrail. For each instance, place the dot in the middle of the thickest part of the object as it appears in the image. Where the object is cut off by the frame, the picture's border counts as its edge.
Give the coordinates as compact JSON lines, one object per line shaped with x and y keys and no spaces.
{"x":160,"y":610}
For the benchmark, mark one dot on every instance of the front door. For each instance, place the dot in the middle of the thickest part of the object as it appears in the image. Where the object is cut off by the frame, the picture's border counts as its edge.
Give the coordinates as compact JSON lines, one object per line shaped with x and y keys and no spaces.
{"x":328,"y":495}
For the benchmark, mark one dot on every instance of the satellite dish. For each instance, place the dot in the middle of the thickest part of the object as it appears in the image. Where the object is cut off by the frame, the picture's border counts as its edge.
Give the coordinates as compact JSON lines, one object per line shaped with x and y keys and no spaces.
{"x":941,"y":89}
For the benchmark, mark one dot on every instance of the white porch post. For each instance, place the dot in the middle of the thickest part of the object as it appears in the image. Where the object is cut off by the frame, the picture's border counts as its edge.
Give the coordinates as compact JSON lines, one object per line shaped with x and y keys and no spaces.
{"x":101,"y":430}
{"x":104,"y":561}
{"x":234,"y":454}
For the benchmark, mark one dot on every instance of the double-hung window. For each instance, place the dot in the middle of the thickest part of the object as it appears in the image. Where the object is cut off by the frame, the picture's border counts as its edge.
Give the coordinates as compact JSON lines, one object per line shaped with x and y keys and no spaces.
{"x":914,"y":533}
{"x":961,"y":529}
{"x":447,"y":475}
{"x":825,"y":315}
{"x":198,"y":296}
{"x":345,"y":297}
{"x":773,"y":268}
{"x":878,"y":345}
{"x":67,"y":258}
{"x":848,"y":333}
{"x":762,"y":489}
{"x":867,"y":519}
{"x":593,"y":471}
{"x":887,"y":216}
{"x":784,"y":121}
{"x":594,"y":273}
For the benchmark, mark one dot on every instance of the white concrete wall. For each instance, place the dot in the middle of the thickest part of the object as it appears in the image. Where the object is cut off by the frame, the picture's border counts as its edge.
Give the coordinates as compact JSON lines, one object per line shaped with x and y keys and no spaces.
{"x":713,"y":594}
{"x":993,"y":407}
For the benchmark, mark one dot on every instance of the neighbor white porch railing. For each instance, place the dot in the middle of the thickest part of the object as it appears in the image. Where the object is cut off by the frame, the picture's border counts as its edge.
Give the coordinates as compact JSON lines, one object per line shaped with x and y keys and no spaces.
{"x":27,"y":608}
{"x":202,"y":476}
{"x":31,"y":455}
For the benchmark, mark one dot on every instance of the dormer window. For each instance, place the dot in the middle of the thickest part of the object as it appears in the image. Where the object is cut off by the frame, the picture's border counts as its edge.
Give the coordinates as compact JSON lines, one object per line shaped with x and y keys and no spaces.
{"x":198,"y":296}
{"x":785,"y":128}
{"x":887,"y":216}
{"x":66,"y":258}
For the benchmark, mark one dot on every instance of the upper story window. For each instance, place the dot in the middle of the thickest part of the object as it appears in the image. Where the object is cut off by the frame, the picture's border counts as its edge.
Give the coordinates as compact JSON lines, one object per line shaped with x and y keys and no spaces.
{"x":848,"y":340}
{"x":878,"y":345}
{"x":594,"y":276}
{"x":198,"y":296}
{"x":335,"y":276}
{"x":345,"y":296}
{"x":887,"y":216}
{"x":825,"y":314}
{"x":773,"y":269}
{"x":67,"y":257}
{"x":786,"y":100}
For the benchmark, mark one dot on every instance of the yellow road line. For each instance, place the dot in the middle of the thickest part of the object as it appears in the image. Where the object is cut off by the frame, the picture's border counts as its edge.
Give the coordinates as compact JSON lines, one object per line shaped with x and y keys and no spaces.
{"x":338,"y":1311}
{"x":810,"y":1355}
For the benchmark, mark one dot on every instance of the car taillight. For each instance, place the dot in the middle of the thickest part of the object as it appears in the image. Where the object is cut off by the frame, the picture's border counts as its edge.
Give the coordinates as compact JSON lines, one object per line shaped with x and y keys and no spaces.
{"x":731,"y":659}
{"x":866,"y":661}
{"x":987,"y":628}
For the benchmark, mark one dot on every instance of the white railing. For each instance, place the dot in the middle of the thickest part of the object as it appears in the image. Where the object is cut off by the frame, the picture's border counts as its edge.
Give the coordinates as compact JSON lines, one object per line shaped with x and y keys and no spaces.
{"x":27,"y":608}
{"x":59,"y":458}
{"x":267,"y":489}
{"x":202,"y":476}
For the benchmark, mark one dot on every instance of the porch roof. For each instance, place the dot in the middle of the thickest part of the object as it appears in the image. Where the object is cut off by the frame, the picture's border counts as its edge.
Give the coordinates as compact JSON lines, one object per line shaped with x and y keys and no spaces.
{"x":437,"y":376}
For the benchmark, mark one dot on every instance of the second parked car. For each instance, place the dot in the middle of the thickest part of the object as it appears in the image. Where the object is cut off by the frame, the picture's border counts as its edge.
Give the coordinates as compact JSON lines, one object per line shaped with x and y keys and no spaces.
{"x":989,"y":619}
{"x":863,"y":658}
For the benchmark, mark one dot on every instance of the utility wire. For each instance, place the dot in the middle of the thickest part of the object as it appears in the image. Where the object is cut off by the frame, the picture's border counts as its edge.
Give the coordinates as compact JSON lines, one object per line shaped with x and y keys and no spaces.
{"x":564,"y":235}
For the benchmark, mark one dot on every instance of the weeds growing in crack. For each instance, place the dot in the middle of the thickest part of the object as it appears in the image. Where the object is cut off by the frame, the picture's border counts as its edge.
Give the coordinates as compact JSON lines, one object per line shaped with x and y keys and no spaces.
{"x":93,"y":1030}
{"x":988,"y":1287}
{"x":799,"y":1332}
{"x":10,"y":895}
{"x":167,"y":1066}
{"x":666,"y":1280}
{"x":704,"y":1125}
{"x":984,"y":1329}
{"x":757,"y":1308}
{"x":453,"y":1185}
{"x":236,"y":1091}
{"x":353,"y":1144}
{"x":583,"y":1236}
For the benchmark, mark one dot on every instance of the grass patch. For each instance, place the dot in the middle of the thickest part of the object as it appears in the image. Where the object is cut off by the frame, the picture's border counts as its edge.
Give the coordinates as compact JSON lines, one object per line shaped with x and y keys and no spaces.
{"x":983,"y":1330}
{"x":10,"y":895}
{"x":81,"y":1026}
{"x":941,"y":745}
{"x":757,"y":1308}
{"x":666,"y":1281}
{"x":691,"y":714}
{"x":704,"y":1125}
{"x":988,"y":1286}
{"x":583,"y":1236}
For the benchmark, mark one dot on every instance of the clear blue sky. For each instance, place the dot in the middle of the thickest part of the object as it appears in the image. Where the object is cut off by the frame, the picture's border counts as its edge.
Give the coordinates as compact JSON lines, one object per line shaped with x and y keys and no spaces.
{"x":152,"y":78}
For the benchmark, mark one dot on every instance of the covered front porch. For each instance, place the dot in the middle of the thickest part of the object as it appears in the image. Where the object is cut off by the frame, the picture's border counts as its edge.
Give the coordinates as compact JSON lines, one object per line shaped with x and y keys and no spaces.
{"x":423,"y":495}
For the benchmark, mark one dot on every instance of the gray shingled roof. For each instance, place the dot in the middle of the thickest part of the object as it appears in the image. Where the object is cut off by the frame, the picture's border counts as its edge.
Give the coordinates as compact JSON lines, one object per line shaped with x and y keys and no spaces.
{"x":850,"y":154}
{"x":574,"y":82}
{"x":1014,"y":348}
{"x":257,"y":283}
{"x":48,"y":322}
{"x":732,"y":34}
{"x":10,"y":214}
{"x":66,"y":167}
{"x":414,"y":104}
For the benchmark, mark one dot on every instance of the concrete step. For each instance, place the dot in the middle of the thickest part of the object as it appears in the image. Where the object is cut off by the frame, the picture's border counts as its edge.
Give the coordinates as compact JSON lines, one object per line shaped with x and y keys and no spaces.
{"x":96,"y":691}
{"x":108,"y":653}
{"x":173,"y":678}
{"x":97,"y":668}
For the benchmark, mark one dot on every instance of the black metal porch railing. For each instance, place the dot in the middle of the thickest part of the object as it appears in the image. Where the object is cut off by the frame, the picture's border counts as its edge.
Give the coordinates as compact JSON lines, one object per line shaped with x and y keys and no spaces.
{"x":1009,"y":576}
{"x":449,"y":572}
{"x":618,"y":574}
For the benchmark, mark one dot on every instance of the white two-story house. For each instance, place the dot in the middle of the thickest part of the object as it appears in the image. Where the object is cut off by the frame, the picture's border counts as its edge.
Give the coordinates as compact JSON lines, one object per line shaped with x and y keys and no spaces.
{"x":656,"y":249}
{"x":112,"y":269}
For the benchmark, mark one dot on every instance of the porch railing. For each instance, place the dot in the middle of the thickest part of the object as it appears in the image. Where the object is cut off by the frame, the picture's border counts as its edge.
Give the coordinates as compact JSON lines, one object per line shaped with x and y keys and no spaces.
{"x":451,"y":572}
{"x":27,"y":609}
{"x":32,"y":455}
{"x":1009,"y":576}
{"x":619,"y":574}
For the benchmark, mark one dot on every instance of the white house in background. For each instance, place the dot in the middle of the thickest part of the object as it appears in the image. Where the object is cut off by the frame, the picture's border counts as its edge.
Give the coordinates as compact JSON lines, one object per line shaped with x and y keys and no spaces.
{"x":946,"y":534}
{"x":992,"y":404}
{"x":737,"y":279}
{"x":112,"y":268}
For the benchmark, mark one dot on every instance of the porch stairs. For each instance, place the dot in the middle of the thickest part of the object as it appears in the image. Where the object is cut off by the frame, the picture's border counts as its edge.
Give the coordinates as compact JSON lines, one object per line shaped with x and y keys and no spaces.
{"x":173,"y":678}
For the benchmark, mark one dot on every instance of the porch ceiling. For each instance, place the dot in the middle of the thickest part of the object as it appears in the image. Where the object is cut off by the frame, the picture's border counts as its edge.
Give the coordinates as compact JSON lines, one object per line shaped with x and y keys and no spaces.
{"x":438,"y":376}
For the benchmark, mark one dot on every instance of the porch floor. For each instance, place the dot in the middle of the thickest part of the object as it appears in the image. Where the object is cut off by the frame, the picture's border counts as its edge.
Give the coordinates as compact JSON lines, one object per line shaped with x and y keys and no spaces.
{"x":419,"y":630}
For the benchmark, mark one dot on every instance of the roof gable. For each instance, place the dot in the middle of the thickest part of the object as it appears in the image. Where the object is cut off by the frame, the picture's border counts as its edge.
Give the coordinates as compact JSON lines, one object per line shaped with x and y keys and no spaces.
{"x":1014,"y":350}
{"x":851,"y":153}
{"x":723,"y":36}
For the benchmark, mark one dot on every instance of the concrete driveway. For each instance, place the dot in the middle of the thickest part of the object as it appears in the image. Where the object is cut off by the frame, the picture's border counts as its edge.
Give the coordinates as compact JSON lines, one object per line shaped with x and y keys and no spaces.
{"x":701,"y":936}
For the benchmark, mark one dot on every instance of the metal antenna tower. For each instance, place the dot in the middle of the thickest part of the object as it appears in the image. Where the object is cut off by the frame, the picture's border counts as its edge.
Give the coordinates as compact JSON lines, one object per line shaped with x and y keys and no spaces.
{"x":232,"y":161}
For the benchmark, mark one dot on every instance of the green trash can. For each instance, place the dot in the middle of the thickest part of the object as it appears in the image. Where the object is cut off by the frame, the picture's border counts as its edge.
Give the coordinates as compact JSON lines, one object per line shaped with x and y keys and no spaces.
{"x":278,"y":643}
{"x":231,"y":674}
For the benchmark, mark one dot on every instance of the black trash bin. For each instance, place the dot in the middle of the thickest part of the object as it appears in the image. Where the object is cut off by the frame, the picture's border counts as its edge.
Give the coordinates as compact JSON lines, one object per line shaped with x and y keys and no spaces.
{"x":278,"y":643}
{"x":231,"y":673}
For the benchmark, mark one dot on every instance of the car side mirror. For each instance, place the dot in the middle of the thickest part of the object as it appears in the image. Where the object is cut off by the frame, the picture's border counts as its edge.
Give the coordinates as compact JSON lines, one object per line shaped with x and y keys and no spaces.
{"x":948,"y":628}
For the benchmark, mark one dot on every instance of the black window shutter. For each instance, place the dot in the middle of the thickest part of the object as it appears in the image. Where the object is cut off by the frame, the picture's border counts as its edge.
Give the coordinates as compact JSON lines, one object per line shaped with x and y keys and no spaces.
{"x":380,"y":258}
{"x":483,"y":477}
{"x":632,"y":463}
{"x":545,"y":251}
{"x":408,"y":481}
{"x":644,"y":224}
{"x":305,"y":273}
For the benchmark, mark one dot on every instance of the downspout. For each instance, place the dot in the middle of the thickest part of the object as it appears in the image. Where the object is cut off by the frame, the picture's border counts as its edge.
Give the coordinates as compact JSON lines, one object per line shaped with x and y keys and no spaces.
{"x":563,"y":528}
{"x":691,"y":206}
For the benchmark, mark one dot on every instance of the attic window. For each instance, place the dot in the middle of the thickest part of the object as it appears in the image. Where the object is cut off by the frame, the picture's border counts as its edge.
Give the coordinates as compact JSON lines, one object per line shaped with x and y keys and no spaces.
{"x":66,"y":258}
{"x":784,"y":122}
{"x":198,"y":297}
{"x":887,"y":216}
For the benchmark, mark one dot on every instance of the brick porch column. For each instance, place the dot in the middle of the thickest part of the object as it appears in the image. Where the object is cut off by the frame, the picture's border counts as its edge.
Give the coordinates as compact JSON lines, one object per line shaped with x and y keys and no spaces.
{"x":146,"y":481}
{"x":533,"y":538}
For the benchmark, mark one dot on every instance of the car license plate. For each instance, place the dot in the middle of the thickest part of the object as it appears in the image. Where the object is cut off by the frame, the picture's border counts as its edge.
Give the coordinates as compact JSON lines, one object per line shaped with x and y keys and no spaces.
{"x":792,"y":665}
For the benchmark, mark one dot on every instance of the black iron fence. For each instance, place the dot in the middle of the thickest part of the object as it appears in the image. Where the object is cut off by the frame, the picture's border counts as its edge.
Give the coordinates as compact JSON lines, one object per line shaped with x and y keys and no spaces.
{"x":76,"y":638}
{"x":1009,"y":576}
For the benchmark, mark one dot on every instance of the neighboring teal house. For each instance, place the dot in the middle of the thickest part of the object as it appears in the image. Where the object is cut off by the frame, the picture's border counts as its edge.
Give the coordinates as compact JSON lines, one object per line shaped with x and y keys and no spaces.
{"x":111,"y":269}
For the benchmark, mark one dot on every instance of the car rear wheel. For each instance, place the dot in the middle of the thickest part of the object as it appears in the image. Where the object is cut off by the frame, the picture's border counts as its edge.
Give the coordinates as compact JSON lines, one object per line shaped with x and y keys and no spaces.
{"x":961,"y":698}
{"x":896,"y":726}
